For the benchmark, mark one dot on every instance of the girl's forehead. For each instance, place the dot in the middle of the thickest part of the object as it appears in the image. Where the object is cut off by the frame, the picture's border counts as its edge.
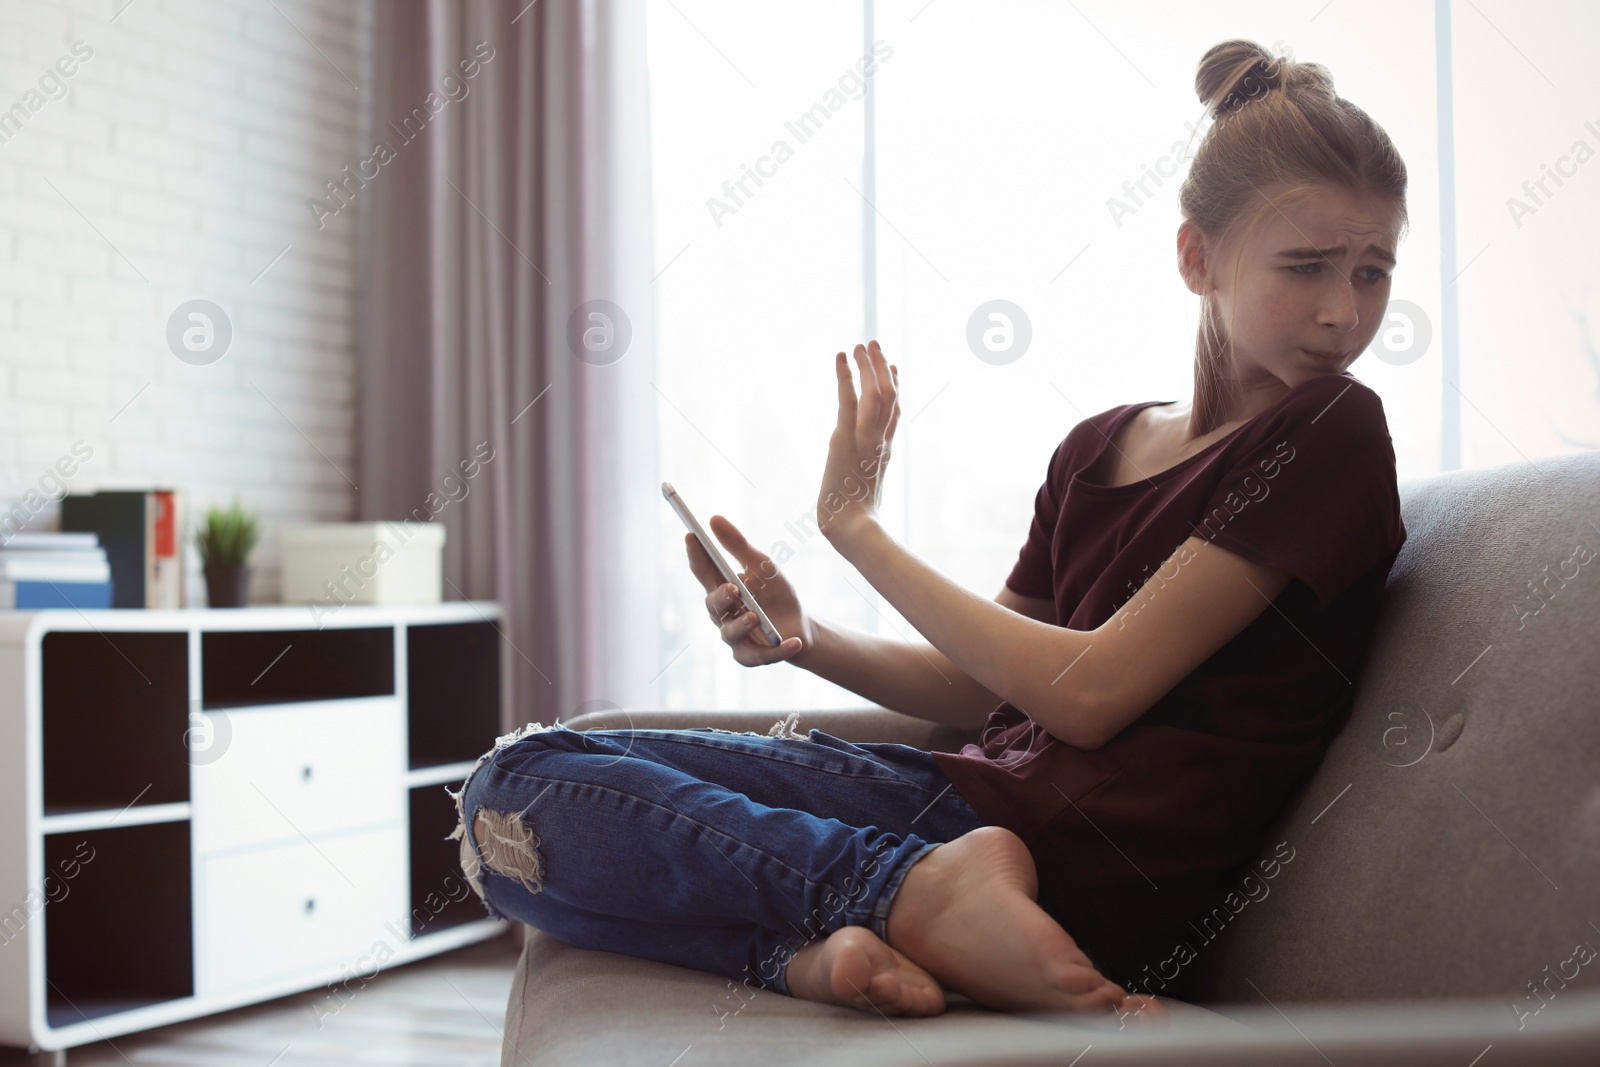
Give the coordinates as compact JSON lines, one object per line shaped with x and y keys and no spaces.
{"x":1329,"y":218}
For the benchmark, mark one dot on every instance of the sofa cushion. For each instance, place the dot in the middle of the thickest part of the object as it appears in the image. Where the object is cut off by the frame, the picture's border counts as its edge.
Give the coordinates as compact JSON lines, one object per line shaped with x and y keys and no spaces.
{"x":1450,"y":1033}
{"x":578,"y":1006}
{"x":1450,"y":841}
{"x":575,"y":1006}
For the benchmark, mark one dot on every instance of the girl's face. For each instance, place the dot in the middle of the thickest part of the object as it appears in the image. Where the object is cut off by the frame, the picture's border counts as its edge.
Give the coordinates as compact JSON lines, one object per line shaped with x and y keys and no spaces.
{"x":1306,"y":293}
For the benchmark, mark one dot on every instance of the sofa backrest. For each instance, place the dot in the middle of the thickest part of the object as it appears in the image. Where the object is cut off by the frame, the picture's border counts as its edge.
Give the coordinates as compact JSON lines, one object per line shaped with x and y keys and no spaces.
{"x":1449,"y":843}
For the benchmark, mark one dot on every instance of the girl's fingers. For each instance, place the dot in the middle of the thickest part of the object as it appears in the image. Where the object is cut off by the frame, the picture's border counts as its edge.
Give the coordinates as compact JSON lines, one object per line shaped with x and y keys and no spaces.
{"x":701,"y":566}
{"x":880,"y":369}
{"x":738,"y":627}
{"x":730,"y":602}
{"x":755,"y":564}
{"x":871,"y":395}
{"x":879,"y":385}
{"x":773,"y":653}
{"x":883,"y":411}
{"x":894,"y":410}
{"x":847,"y":392}
{"x":746,"y":631}
{"x":724,"y":603}
{"x":757,"y":652}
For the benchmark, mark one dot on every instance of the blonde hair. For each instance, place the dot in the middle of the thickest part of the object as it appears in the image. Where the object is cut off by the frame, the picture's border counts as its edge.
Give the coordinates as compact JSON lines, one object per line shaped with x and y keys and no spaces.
{"x":1278,"y":124}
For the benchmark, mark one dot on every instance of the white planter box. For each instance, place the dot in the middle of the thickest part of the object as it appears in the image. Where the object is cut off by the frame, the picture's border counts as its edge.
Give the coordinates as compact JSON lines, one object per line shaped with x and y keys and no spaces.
{"x":363,"y":563}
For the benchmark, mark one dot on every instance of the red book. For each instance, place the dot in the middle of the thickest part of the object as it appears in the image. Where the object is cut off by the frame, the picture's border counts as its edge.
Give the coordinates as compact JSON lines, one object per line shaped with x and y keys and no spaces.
{"x":164,"y":583}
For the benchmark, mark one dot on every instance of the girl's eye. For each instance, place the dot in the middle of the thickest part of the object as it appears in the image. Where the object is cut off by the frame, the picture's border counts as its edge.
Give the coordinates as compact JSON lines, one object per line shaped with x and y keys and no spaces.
{"x":1374,"y":274}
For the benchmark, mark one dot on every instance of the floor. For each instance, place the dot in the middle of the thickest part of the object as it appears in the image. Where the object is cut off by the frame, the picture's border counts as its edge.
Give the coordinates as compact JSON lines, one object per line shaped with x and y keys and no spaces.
{"x":441,"y":1012}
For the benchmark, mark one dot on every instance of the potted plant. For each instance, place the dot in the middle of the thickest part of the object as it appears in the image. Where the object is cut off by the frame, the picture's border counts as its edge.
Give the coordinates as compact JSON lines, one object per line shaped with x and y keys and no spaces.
{"x":225,"y":543}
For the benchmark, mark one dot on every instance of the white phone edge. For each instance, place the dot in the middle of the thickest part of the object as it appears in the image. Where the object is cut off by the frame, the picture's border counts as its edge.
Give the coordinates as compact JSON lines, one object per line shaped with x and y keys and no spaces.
{"x":727,"y":571}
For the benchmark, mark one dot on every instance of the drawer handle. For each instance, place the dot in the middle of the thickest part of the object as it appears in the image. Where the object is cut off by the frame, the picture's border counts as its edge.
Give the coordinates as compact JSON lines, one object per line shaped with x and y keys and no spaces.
{"x":305,"y":773}
{"x":311,"y":905}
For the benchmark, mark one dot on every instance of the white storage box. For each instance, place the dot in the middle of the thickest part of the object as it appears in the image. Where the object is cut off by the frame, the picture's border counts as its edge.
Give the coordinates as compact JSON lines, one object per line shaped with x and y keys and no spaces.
{"x":363,"y":563}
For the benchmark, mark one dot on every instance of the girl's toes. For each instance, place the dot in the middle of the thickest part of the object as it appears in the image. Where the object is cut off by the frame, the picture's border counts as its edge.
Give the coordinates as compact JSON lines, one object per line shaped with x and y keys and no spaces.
{"x":883,"y":990}
{"x":1079,"y":980}
{"x":1141,"y":1010}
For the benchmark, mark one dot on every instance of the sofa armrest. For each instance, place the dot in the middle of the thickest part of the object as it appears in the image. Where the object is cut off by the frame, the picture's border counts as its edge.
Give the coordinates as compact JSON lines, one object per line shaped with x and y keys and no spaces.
{"x":859,"y":725}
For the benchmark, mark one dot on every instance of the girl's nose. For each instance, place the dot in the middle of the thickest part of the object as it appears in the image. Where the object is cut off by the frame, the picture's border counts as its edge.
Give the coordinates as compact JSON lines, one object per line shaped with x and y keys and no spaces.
{"x":1338,"y":308}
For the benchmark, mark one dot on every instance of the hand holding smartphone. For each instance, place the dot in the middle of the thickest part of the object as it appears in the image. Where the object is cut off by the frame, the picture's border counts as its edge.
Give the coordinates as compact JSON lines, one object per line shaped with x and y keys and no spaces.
{"x":723,"y":567}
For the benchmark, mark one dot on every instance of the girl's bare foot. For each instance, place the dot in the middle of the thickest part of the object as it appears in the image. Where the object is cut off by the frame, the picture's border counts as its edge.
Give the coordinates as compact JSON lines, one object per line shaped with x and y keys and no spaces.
{"x":852,"y":966}
{"x":1140,"y":1009}
{"x":966,"y":912}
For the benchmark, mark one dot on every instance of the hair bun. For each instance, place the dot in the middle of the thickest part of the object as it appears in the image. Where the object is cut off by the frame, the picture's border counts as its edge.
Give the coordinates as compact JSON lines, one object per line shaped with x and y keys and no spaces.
{"x":1235,"y":72}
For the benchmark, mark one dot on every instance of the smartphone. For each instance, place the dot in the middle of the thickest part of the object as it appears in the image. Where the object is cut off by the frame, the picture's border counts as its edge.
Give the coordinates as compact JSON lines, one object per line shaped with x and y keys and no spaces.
{"x":728,"y":573}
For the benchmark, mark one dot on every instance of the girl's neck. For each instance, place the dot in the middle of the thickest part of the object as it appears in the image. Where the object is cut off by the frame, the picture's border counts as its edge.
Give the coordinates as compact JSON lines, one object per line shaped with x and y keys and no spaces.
{"x":1237,"y":402}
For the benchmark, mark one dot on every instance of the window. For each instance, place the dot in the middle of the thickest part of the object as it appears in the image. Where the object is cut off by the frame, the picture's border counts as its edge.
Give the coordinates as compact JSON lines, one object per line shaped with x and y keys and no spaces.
{"x":1031,"y":153}
{"x":1527,"y":205}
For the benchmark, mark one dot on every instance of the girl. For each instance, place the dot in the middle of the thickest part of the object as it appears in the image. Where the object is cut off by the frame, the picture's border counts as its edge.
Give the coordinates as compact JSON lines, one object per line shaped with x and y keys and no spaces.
{"x":1170,"y":656}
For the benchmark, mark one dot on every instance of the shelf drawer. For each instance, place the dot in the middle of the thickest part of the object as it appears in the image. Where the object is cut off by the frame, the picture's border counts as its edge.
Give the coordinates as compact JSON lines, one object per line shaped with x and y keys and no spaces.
{"x":290,"y":772}
{"x":298,"y":909}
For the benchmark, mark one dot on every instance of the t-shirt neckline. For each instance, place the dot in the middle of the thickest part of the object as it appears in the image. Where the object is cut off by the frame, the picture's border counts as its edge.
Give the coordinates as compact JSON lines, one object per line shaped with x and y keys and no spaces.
{"x":1149,"y":481}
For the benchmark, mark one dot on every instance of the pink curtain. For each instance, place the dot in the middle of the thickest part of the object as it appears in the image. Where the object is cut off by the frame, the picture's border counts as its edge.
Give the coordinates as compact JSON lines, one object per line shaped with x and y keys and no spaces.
{"x":506,"y":191}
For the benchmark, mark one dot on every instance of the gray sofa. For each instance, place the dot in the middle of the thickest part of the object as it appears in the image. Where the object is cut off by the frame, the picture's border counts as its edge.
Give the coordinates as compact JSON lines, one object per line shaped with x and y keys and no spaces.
{"x":1442,"y":906}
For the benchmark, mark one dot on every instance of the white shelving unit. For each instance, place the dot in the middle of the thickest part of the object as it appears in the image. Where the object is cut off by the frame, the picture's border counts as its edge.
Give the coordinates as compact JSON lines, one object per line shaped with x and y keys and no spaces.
{"x":205,"y":809}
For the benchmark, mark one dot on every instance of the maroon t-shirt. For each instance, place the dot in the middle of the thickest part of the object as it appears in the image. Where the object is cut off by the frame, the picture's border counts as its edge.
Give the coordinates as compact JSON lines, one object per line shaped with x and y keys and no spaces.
{"x":1142,"y":836}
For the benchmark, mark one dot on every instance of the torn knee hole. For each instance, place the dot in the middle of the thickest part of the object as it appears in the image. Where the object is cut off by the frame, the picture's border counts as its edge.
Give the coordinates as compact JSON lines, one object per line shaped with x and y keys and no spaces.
{"x":788,"y":728}
{"x":507,"y":846}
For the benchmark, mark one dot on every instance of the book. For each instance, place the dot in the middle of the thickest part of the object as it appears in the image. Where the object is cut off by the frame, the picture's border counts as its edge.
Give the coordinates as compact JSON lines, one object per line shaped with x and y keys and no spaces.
{"x":164,"y":578}
{"x":91,"y":568}
{"x":49,"y":570}
{"x":36,"y":595}
{"x":139,"y":530}
{"x":40,"y":555}
{"x":53,"y":541}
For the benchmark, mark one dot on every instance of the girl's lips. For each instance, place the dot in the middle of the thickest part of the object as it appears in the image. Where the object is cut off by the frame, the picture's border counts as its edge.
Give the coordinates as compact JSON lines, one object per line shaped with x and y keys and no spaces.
{"x":1326,"y":357}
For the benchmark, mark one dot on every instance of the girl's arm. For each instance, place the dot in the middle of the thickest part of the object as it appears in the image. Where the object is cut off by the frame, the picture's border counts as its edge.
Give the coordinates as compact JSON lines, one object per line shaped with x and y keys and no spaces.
{"x":1083,"y":687}
{"x":911,"y":677}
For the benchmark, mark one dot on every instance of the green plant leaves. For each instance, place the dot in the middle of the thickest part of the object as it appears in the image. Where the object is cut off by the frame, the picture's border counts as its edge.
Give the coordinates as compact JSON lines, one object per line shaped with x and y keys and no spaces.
{"x":228,"y":535}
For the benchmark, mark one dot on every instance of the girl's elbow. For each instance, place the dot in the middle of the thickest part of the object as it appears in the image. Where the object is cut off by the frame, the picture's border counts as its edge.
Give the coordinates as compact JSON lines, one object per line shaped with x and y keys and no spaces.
{"x":1079,"y":737}
{"x":1077,"y":722}
{"x":1088,"y":738}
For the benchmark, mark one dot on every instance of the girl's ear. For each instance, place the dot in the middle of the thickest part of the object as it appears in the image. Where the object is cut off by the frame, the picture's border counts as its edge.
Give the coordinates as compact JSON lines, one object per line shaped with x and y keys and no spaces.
{"x":1192,"y":258}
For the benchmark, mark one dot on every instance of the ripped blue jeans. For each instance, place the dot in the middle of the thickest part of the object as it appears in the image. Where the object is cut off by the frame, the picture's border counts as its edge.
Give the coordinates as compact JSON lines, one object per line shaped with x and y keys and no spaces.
{"x":722,"y":851}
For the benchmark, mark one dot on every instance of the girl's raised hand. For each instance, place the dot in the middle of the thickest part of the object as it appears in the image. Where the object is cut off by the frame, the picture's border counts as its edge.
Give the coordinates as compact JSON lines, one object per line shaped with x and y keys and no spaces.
{"x":859,"y":448}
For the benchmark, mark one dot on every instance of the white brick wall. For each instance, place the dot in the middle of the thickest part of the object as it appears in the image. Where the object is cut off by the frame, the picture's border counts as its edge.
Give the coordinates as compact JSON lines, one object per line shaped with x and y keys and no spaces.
{"x":190,"y":140}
